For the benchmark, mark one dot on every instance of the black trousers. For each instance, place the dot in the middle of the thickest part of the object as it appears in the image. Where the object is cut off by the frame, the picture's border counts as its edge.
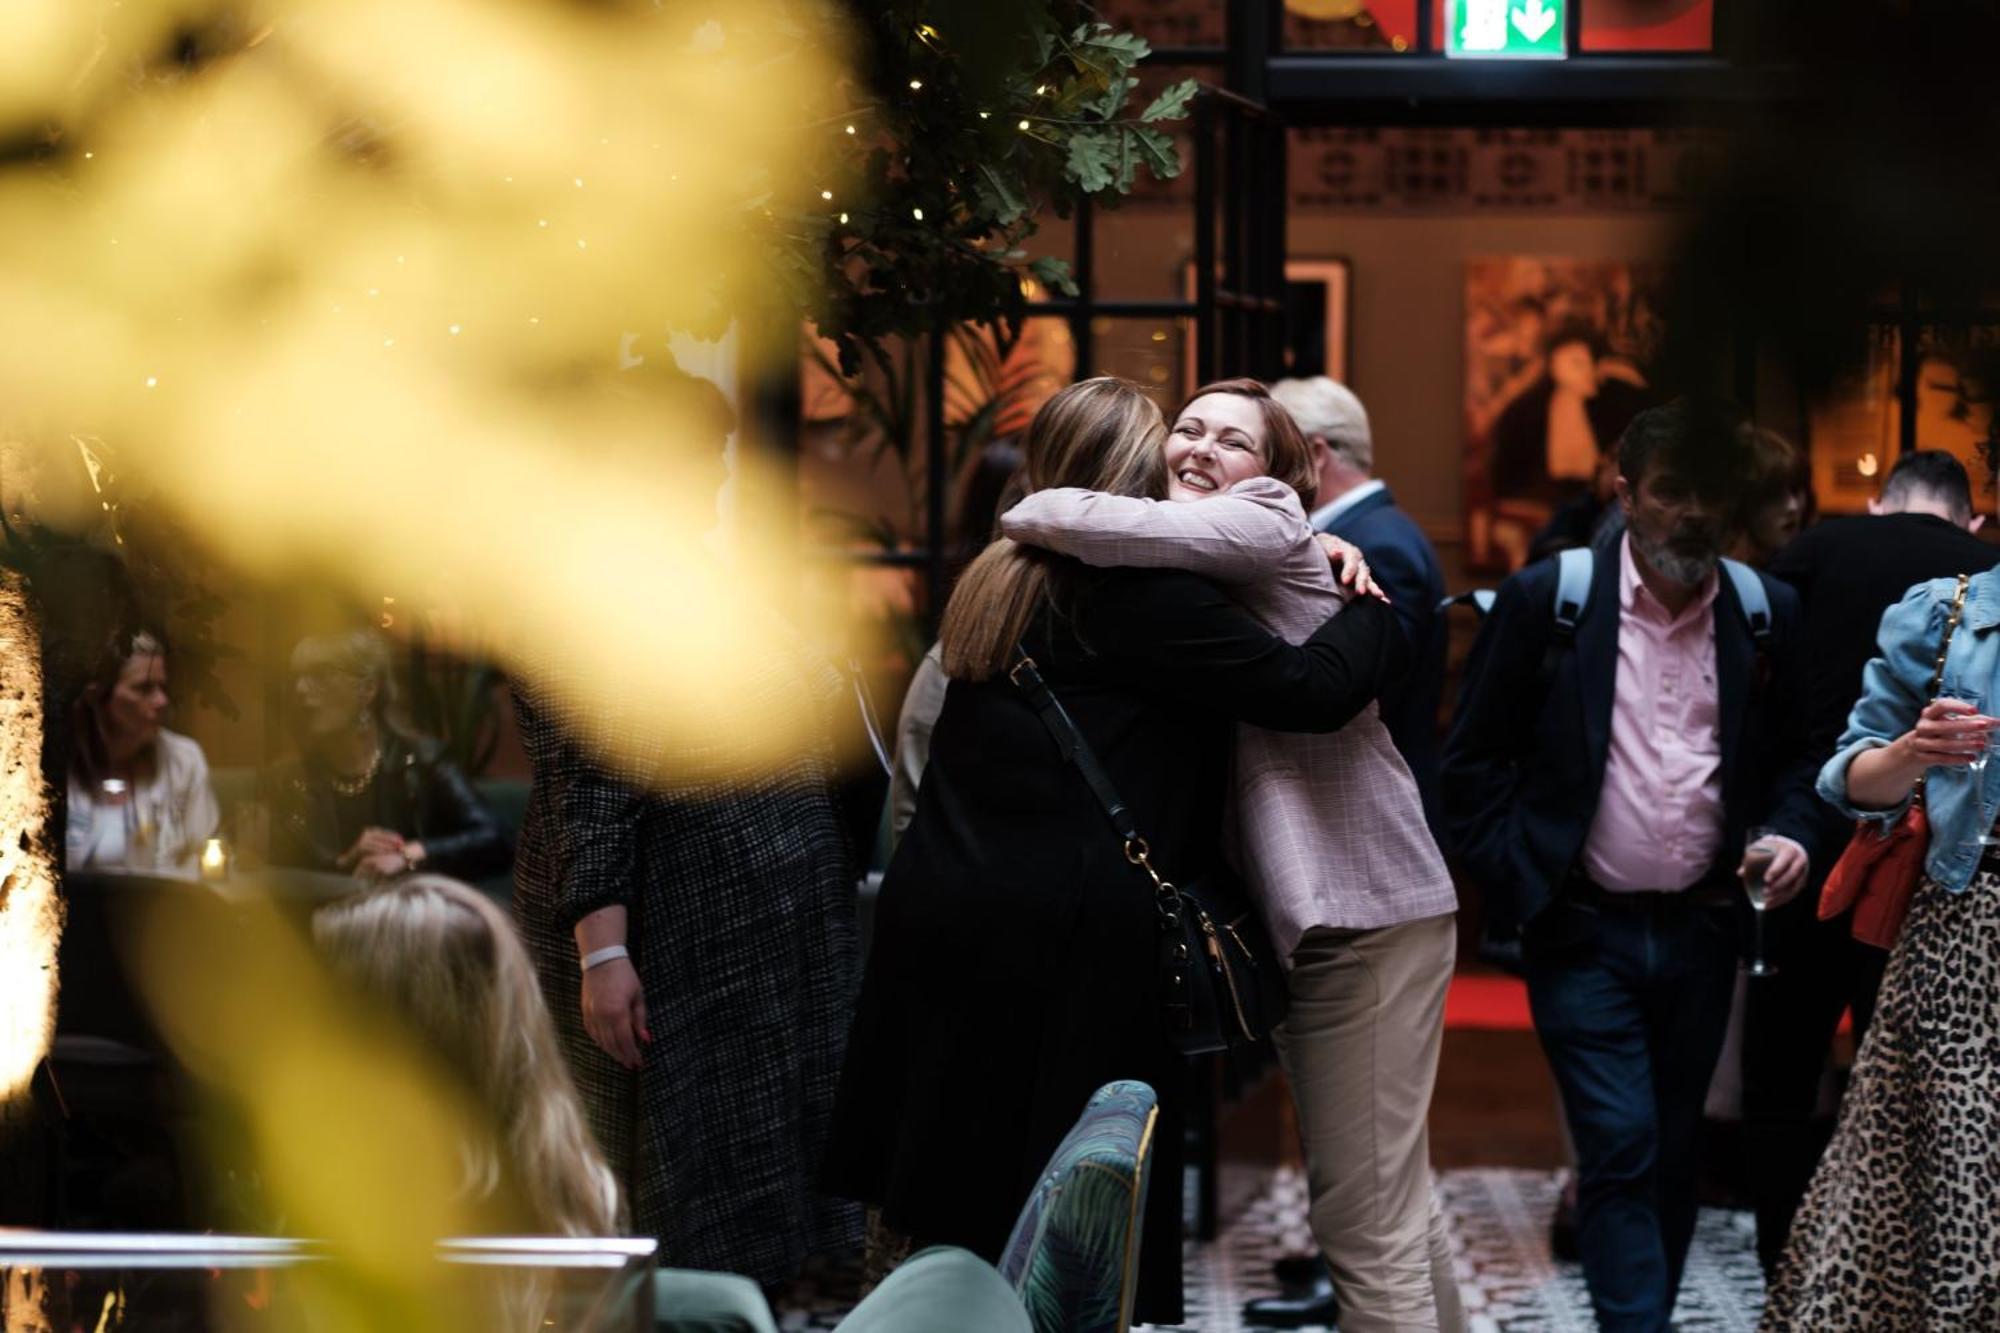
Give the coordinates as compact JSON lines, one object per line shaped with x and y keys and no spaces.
{"x":1789,"y":1023}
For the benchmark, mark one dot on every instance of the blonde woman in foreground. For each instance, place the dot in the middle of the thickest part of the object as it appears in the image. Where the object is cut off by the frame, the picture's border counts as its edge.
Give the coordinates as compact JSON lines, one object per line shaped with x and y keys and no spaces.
{"x":441,"y":958}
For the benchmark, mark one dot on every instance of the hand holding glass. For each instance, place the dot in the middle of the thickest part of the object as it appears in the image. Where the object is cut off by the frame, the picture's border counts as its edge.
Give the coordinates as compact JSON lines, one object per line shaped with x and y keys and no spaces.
{"x":1979,"y":730}
{"x":1758,"y":852}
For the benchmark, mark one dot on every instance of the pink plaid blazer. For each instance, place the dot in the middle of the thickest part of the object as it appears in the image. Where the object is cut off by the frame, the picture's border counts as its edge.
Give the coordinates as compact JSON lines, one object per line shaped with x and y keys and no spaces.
{"x":1328,"y":829}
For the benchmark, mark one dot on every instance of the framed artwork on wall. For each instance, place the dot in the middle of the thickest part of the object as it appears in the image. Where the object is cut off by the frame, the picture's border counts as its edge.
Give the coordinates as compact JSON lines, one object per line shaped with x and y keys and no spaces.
{"x":1318,"y":310}
{"x":1559,"y":355}
{"x":1318,"y":300}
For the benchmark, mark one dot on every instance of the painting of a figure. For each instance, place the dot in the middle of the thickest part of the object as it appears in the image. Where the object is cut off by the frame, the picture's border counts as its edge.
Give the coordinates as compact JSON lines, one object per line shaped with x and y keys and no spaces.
{"x":1558,"y":358}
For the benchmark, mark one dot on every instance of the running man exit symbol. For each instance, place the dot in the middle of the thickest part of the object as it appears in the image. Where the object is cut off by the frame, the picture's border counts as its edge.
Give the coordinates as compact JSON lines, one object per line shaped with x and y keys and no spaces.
{"x":1507,"y":29}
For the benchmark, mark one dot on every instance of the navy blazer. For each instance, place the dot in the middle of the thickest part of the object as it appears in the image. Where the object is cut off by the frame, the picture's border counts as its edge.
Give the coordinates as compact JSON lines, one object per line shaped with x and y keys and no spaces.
{"x":1405,"y":564}
{"x":1524,"y":760}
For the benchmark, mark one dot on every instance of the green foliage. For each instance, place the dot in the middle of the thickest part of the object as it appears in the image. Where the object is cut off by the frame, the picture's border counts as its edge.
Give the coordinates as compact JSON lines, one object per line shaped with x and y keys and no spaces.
{"x":121,"y":564}
{"x":970,"y":120}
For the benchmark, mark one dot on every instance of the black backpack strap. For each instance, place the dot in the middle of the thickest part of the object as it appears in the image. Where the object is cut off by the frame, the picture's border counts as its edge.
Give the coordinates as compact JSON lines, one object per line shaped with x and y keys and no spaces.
{"x":1574,"y":570}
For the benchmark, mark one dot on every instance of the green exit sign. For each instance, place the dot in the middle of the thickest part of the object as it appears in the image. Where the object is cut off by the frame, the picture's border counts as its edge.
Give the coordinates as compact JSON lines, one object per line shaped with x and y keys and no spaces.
{"x":1507,"y":29}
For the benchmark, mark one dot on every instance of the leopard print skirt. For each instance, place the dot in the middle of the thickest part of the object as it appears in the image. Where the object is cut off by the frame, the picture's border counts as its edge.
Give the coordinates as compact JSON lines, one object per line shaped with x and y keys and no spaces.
{"x":1901,"y":1229}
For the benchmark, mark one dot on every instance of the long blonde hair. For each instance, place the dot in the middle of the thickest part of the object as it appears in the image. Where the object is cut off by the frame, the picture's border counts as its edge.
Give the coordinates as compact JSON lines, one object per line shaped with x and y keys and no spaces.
{"x":1100,"y":434}
{"x":445,"y":960}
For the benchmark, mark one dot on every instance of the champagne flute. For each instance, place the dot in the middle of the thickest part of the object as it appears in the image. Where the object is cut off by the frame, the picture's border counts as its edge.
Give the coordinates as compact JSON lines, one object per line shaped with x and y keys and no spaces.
{"x":1977,"y":765}
{"x":1758,"y":852}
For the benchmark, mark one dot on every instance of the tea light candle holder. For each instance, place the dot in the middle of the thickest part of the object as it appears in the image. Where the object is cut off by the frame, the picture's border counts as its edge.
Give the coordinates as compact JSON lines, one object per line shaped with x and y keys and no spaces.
{"x":214,"y":861}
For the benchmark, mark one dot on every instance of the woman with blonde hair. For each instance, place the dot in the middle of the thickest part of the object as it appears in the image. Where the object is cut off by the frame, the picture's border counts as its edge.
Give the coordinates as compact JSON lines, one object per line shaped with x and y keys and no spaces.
{"x":1013,"y":969}
{"x":446,"y":962}
{"x":365,"y":795}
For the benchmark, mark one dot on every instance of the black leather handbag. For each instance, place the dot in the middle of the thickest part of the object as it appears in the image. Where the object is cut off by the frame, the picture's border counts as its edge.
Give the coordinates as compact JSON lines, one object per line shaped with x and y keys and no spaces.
{"x":1222,"y":985}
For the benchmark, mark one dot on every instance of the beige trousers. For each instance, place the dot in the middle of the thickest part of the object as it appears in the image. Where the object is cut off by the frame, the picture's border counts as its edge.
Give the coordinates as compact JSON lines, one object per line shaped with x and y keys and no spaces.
{"x":1360,"y":1046}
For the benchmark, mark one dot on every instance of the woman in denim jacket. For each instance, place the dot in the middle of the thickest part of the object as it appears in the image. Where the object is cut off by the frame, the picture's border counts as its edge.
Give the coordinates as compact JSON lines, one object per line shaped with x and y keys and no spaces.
{"x":1894,"y":1233}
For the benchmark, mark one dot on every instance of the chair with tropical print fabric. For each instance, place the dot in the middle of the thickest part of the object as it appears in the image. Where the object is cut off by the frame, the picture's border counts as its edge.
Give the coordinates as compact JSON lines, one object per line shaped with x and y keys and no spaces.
{"x":1074,"y":1254}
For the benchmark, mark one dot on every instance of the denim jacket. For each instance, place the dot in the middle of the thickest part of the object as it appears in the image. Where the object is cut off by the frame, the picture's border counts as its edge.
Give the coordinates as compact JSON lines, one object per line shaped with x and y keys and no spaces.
{"x":1895,"y":689}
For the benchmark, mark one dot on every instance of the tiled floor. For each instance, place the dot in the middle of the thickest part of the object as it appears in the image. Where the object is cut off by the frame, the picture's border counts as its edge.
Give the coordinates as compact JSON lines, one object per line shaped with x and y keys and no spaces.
{"x":1499,"y":1222}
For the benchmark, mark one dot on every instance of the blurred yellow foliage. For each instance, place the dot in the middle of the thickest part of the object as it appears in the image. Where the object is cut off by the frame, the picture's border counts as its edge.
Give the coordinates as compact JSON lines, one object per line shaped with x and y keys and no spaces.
{"x":326,"y":1114}
{"x":347,"y":287}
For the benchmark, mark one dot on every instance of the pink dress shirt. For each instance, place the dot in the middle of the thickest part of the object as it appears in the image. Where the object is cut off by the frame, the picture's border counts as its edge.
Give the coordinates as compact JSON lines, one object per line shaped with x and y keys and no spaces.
{"x":1659,"y":812}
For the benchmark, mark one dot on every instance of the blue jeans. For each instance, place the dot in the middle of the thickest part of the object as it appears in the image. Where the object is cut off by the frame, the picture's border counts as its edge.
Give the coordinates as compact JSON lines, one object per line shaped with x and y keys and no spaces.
{"x":1631,"y":1007}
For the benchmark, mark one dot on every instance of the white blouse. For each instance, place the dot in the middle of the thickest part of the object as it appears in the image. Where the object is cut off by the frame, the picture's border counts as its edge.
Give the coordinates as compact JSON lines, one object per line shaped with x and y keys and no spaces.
{"x":159,"y":829}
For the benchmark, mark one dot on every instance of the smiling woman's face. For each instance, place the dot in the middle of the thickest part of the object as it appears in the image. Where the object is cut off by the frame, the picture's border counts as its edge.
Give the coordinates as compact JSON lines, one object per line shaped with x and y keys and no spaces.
{"x":1217,"y":441}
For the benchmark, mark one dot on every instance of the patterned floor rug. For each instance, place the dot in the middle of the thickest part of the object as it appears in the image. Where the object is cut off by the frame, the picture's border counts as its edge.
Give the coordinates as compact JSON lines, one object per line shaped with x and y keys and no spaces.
{"x":1500,"y":1225}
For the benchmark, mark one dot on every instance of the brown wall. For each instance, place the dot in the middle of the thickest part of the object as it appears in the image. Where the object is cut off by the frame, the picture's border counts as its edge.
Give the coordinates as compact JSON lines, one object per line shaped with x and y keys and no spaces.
{"x":1406,"y":327}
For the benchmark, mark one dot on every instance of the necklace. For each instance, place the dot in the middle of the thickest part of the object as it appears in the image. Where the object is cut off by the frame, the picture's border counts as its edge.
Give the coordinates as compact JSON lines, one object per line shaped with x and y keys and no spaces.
{"x":354,"y":786}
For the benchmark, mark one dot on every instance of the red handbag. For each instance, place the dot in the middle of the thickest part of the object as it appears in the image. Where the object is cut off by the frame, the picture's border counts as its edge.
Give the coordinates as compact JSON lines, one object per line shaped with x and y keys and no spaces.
{"x":1878,"y":873}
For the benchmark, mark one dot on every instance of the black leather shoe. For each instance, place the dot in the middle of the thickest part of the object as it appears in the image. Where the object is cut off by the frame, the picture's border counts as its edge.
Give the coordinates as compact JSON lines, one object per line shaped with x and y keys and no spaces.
{"x":1562,"y":1232}
{"x":1300,"y":1270}
{"x":1307,"y":1307}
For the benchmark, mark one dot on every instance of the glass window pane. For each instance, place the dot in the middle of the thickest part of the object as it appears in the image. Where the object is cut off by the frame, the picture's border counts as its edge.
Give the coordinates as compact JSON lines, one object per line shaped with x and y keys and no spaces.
{"x":1954,"y":410}
{"x":1648,"y":25}
{"x":1144,"y":250}
{"x":1169,"y":22}
{"x":863,"y":456}
{"x":1365,"y":27}
{"x":1142,"y":241}
{"x":1852,"y":437}
{"x":1156,"y":354}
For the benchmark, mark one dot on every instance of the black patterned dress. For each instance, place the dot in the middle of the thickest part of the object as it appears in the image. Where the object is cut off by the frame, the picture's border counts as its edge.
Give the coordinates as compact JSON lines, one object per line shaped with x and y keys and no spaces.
{"x":1901,"y":1229}
{"x":741,"y":895}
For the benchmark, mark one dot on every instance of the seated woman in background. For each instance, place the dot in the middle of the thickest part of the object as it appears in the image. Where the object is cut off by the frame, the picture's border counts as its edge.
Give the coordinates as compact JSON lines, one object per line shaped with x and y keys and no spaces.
{"x":364,"y":796}
{"x":139,"y":795}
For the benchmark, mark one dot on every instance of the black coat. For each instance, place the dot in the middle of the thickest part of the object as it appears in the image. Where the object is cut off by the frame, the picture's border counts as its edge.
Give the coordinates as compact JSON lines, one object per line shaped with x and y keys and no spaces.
{"x":1013,"y":967}
{"x":1406,"y":565}
{"x":740,"y":895}
{"x":1524,"y":762}
{"x":415,"y":792}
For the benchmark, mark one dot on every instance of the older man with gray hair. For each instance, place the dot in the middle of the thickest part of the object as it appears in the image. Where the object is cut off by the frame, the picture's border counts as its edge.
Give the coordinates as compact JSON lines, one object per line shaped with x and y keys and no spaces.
{"x":1356,"y":506}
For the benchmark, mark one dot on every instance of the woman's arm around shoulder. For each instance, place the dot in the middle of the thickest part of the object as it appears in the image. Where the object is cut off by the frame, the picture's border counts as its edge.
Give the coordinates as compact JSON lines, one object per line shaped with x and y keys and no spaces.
{"x":1190,"y":642}
{"x":1237,"y":537}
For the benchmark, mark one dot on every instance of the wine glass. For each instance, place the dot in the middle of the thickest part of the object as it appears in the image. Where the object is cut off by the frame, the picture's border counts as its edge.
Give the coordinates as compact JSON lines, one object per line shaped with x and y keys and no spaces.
{"x":1977,"y":765}
{"x":1759,"y":850}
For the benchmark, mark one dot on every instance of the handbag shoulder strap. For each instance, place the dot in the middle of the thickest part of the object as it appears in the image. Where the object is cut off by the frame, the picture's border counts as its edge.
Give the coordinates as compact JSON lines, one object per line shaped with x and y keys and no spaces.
{"x":1944,"y":650}
{"x":1027,"y":678}
{"x":1950,"y":628}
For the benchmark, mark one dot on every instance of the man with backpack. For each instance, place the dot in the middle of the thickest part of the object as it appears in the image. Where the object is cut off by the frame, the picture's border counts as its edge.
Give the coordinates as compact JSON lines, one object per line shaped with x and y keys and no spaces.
{"x":1627,"y":717}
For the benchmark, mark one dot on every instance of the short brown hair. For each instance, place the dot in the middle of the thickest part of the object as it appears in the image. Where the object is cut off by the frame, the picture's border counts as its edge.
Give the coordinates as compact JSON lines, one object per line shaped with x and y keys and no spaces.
{"x":1288,"y":455}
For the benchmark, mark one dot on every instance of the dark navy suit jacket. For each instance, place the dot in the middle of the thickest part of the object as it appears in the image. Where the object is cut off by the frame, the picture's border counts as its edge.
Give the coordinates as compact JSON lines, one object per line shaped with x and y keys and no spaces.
{"x":1406,"y":566}
{"x":1524,"y":760}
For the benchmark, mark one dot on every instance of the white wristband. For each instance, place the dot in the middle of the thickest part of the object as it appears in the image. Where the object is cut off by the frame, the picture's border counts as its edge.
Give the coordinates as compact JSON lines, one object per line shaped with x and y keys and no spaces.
{"x":604,"y":955}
